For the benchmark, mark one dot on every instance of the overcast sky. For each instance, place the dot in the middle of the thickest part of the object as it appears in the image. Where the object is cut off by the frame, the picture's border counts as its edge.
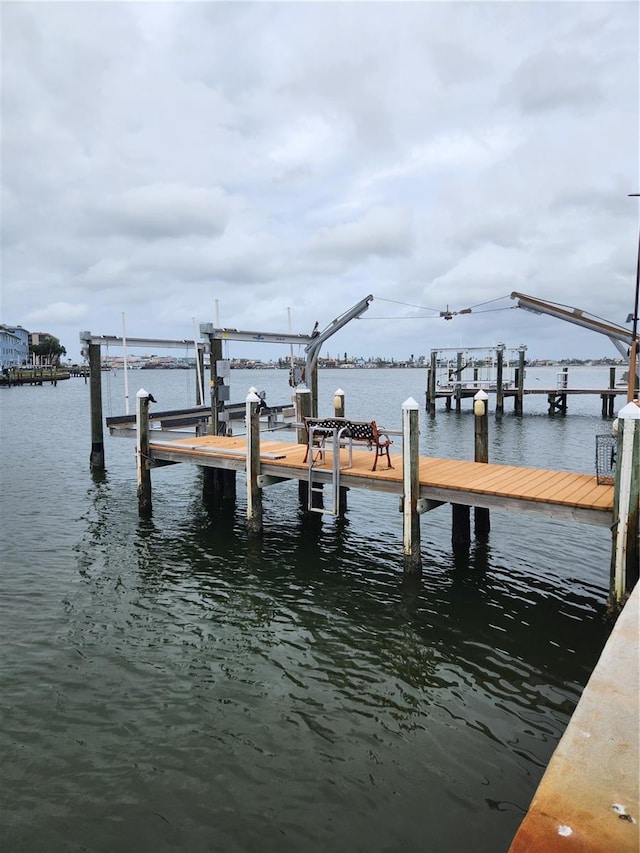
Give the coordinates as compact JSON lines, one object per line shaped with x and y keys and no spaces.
{"x":157,"y":157}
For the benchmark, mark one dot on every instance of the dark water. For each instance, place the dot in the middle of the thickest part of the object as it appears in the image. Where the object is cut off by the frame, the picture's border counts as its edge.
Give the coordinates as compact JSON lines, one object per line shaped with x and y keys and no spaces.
{"x":168,"y":685}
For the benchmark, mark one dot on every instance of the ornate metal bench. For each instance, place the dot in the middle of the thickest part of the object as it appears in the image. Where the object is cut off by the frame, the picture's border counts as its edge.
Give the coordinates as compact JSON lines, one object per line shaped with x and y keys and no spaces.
{"x":357,"y":432}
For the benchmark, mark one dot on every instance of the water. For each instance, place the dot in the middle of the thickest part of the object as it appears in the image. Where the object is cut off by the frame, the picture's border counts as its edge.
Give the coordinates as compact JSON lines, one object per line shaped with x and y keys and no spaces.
{"x":169,"y":685}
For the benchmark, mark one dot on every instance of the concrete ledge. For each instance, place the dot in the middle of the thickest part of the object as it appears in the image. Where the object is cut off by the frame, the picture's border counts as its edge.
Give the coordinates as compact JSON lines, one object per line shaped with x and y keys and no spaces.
{"x":588,"y":799}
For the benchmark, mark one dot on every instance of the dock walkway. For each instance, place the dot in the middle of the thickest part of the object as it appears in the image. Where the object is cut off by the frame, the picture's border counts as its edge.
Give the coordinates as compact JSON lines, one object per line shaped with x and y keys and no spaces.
{"x":556,"y":494}
{"x":588,"y":798}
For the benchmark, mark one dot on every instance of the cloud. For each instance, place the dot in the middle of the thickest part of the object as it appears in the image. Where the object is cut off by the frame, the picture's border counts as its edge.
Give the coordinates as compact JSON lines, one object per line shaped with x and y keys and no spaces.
{"x":160,"y":211}
{"x":57,"y":312}
{"x":157,"y":157}
{"x":382,"y":232}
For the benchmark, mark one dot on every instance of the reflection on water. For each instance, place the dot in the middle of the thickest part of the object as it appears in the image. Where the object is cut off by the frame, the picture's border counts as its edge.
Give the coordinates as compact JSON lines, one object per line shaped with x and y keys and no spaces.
{"x":172,"y":684}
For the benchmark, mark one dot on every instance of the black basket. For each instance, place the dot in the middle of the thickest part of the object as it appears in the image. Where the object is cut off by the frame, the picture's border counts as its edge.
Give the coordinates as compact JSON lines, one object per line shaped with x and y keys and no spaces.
{"x":606,"y":459}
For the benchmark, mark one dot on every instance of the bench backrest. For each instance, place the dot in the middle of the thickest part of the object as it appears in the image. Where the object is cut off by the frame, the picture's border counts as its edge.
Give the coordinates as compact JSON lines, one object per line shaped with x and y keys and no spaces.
{"x":356,"y":430}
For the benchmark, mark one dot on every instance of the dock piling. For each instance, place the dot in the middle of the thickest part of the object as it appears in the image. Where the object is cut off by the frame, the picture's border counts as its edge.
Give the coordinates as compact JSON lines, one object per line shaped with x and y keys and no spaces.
{"x":143,"y":398}
{"x":625,"y":555}
{"x":411,"y":487}
{"x":499,"y":379}
{"x":254,"y":492}
{"x":303,"y":410}
{"x":481,"y":519}
{"x":338,"y":411}
{"x":96,"y":457}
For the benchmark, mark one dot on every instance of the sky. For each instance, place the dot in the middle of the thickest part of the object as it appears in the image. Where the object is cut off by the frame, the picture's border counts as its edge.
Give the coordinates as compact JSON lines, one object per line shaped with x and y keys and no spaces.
{"x":253,"y":165}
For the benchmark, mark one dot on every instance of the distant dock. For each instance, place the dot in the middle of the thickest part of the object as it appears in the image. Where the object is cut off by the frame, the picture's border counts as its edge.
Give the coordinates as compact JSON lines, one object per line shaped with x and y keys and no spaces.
{"x":456,"y":375}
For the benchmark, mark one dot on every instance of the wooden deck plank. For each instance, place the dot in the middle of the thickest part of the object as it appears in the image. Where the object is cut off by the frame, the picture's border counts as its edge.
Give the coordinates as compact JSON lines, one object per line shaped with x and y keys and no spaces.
{"x":505,"y":483}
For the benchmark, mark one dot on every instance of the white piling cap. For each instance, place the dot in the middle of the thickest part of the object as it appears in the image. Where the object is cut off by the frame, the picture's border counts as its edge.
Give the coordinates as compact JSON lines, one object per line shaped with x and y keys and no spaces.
{"x":481,"y":395}
{"x":338,"y":392}
{"x":252,"y":390}
{"x":252,"y":397}
{"x":142,"y":393}
{"x":410,"y":403}
{"x":631,"y":410}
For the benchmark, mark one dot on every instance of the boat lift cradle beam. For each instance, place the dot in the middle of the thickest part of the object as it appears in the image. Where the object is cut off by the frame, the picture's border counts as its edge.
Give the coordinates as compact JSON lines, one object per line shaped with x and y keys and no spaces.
{"x":618,"y":335}
{"x":312,"y":342}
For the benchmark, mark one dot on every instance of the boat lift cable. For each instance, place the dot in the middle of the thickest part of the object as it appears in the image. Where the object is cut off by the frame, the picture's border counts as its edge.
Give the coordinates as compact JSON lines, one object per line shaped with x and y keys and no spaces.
{"x":439,"y":316}
{"x":408,"y":304}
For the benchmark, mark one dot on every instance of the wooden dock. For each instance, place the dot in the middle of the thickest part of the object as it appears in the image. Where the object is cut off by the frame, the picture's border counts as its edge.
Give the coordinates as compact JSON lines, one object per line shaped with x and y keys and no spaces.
{"x":556,"y":494}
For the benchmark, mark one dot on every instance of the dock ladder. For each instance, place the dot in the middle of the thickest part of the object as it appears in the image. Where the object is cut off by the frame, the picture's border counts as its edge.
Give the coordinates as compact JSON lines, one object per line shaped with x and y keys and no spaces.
{"x":318,"y":438}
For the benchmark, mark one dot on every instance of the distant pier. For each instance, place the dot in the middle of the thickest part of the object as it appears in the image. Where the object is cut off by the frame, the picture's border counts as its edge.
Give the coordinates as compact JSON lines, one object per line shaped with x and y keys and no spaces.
{"x":456,"y":375}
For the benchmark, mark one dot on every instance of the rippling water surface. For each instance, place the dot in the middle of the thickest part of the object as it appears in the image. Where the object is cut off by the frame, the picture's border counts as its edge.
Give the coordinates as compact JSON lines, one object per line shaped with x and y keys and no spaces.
{"x":171,"y":685}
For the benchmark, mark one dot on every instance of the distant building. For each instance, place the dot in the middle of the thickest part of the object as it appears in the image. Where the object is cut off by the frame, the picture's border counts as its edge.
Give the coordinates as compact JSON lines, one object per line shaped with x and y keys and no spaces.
{"x":37,"y":338}
{"x":14,"y":346}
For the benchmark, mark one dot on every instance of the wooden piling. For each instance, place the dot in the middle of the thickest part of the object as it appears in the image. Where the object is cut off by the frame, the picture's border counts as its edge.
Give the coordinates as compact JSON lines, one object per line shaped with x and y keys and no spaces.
{"x":303,"y":410}
{"x":519,"y":377}
{"x":142,"y":452}
{"x":200,"y":376}
{"x":218,"y":484}
{"x":338,"y":412}
{"x":481,"y":518}
{"x":411,"y":487}
{"x":499,"y":380}
{"x":96,"y":457}
{"x":460,"y":527}
{"x":431,"y":384}
{"x":612,"y":384}
{"x":254,"y":492}
{"x":217,"y":405}
{"x":458,"y":383}
{"x":625,"y":557}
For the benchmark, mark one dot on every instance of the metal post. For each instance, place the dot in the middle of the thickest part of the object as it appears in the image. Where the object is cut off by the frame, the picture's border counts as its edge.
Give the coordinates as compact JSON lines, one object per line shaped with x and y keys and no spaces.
{"x":625,"y":556}
{"x":143,"y":398}
{"x":481,"y":520}
{"x":411,"y":485}
{"x":96,"y":458}
{"x":254,"y":493}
